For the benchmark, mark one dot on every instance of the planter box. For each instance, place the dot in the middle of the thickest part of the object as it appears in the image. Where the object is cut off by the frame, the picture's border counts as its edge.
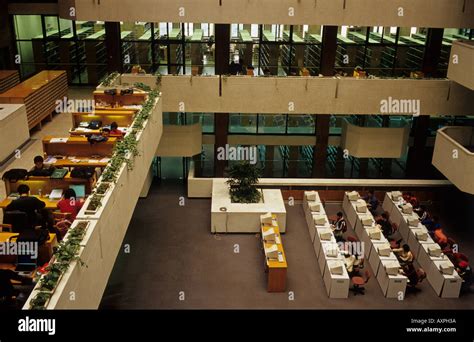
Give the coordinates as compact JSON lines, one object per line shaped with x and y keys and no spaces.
{"x":227,"y":217}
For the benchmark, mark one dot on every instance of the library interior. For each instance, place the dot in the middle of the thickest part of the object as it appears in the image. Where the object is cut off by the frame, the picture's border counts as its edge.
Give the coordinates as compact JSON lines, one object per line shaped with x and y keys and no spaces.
{"x":223,"y":155}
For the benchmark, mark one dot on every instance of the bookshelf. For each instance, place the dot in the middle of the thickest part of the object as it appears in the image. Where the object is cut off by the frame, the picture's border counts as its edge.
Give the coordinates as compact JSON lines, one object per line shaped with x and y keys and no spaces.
{"x":346,"y":47}
{"x":176,"y":50}
{"x":245,"y":47}
{"x":72,"y":52}
{"x":269,"y":53}
{"x":415,"y":52}
{"x":313,"y":53}
{"x":96,"y":57}
{"x":297,"y":53}
{"x":196,"y":51}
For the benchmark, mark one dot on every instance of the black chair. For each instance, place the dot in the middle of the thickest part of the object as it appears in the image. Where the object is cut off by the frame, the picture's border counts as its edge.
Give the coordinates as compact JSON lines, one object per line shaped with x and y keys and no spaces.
{"x":18,"y":220}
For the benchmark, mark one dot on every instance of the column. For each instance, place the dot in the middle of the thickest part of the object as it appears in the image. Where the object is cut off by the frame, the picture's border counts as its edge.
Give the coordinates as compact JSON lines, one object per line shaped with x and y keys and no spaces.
{"x":221,"y":120}
{"x":328,"y":60}
{"x":113,"y":46}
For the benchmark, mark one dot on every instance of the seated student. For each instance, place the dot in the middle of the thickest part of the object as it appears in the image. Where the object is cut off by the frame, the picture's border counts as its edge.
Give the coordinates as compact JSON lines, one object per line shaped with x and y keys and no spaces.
{"x":440,"y":237}
{"x":114,"y":131}
{"x":384,"y":222}
{"x":404,"y":254}
{"x":411,"y":273}
{"x":27,"y":204}
{"x":409,"y":198}
{"x":70,"y":203}
{"x":465,"y":272}
{"x":40,"y":168}
{"x":353,"y":263}
{"x":339,"y":227}
{"x":423,"y":213}
{"x":372,"y":201}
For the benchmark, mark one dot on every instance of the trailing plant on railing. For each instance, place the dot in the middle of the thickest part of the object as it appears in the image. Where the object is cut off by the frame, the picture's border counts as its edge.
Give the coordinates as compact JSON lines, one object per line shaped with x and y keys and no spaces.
{"x":63,"y":255}
{"x":102,"y":188}
{"x":94,"y":202}
{"x":142,"y":86}
{"x":40,"y":300}
{"x":109,"y":79}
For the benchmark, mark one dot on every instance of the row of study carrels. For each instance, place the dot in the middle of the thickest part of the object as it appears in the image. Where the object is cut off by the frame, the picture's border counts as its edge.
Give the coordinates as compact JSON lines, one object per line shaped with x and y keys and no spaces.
{"x":80,"y":157}
{"x":374,"y":248}
{"x":440,"y":271}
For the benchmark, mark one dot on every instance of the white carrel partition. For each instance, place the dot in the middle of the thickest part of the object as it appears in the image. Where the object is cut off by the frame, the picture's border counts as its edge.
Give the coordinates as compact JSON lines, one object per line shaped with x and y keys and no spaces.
{"x":14,"y":128}
{"x":228,"y":217}
{"x":445,"y":285}
{"x":325,"y":247}
{"x":108,"y":226}
{"x":392,"y":286}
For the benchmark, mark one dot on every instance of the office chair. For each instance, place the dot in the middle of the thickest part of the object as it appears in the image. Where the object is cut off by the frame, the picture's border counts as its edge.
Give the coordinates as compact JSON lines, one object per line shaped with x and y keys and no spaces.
{"x":62,"y":222}
{"x":420,"y":276}
{"x":17,"y":220}
{"x":351,"y":238}
{"x":6,"y":228}
{"x":358,"y":283}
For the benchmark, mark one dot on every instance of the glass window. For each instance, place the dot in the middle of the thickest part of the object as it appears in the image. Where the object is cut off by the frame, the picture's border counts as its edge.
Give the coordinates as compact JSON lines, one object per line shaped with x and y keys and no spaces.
{"x":205,"y":119}
{"x":243,"y":123}
{"x":272,"y":123}
{"x":301,"y":124}
{"x":28,"y":26}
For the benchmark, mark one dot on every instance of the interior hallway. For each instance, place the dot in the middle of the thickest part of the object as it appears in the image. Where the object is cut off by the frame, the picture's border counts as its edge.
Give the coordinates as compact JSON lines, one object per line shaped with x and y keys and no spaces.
{"x":172,"y":253}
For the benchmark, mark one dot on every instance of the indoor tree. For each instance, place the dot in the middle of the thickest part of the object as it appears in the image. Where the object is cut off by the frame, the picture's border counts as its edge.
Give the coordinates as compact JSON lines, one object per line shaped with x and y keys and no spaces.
{"x":243,"y":178}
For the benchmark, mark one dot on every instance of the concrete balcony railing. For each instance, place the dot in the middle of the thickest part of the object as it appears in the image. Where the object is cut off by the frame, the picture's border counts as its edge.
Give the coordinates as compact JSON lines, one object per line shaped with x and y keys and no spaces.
{"x":461,"y":64}
{"x":453,"y":156}
{"x":180,"y":141}
{"x":401,"y":13}
{"x":318,"y":95}
{"x":82,"y":287}
{"x":374,"y":142}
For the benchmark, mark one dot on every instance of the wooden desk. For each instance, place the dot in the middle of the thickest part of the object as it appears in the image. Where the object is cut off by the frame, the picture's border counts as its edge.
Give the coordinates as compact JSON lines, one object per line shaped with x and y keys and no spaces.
{"x":276,"y":280}
{"x":46,"y":184}
{"x":39,"y":94}
{"x":78,"y":147}
{"x":123,"y":118}
{"x":81,"y":162}
{"x":50,"y":204}
{"x":45,"y":252}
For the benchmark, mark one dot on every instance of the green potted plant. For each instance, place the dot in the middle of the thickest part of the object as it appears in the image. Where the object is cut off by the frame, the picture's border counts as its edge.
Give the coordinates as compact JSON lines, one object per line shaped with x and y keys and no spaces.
{"x":40,"y":301}
{"x":243,"y":178}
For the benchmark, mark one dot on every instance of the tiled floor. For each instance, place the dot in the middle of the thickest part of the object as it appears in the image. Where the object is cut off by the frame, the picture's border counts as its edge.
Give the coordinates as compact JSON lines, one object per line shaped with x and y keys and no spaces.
{"x":60,"y":125}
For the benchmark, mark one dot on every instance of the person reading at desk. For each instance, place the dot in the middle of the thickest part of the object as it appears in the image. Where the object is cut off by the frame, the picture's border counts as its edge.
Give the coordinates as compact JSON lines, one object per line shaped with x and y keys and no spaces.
{"x":384,"y":222}
{"x":404,"y":254}
{"x":70,"y":203}
{"x":114,"y":131}
{"x":372,"y":202}
{"x":27,"y":204}
{"x":40,"y":168}
{"x":339,"y":227}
